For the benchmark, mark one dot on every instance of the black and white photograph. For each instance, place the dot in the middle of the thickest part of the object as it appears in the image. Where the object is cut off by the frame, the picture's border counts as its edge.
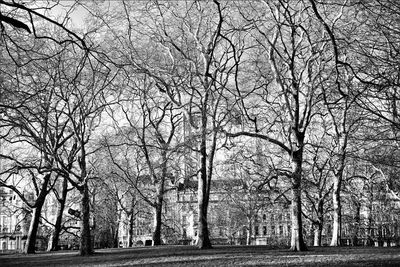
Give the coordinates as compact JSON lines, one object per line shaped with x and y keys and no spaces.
{"x":199,"y":133}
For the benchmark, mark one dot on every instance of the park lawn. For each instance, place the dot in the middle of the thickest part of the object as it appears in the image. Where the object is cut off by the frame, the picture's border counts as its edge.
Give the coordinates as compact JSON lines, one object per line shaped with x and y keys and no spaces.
{"x":218,"y":256}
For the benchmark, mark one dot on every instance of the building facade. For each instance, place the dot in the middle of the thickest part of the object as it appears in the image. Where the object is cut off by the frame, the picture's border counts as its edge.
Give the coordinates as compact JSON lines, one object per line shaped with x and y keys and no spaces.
{"x":14,"y":221}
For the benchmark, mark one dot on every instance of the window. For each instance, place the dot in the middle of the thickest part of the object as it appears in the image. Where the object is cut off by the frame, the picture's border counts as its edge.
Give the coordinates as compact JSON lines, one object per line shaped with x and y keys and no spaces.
{"x":184,"y":232}
{"x":264,"y":217}
{"x":272,"y":229}
{"x":256,"y":230}
{"x":264,"y":230}
{"x":280,"y":229}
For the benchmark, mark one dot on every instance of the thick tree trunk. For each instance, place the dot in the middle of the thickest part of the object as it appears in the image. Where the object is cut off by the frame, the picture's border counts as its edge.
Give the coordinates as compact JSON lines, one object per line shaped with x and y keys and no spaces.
{"x":159,"y":202}
{"x":33,"y":228}
{"x":85,"y":248}
{"x":36,"y":213}
{"x":297,"y":241}
{"x":319,"y":223}
{"x":57,"y":226}
{"x":157,"y":222}
{"x":337,"y":213}
{"x":357,"y":220}
{"x":130,"y":232}
{"x":203,"y":237}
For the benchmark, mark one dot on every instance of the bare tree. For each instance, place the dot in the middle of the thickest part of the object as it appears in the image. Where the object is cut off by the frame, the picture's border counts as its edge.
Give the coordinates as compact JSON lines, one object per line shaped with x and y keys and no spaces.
{"x":250,"y":187}
{"x":60,"y":191}
{"x":283,"y":101}
{"x":85,"y":102}
{"x":148,"y":125}
{"x":191,"y":66}
{"x":30,"y":17}
{"x":32,"y":125}
{"x":318,"y":187}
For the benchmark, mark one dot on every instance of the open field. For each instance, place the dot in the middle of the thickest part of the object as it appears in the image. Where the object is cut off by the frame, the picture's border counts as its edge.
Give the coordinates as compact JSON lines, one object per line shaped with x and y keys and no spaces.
{"x":219,"y":256}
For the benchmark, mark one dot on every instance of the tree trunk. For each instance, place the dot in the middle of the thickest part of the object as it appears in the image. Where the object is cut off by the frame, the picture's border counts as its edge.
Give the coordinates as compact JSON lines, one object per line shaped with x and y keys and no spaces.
{"x":318,"y":235}
{"x":85,"y":248}
{"x":130,"y":232}
{"x":157,"y":222}
{"x":357,"y":221}
{"x":249,"y":231}
{"x":159,"y":202}
{"x":33,"y":228}
{"x":337,"y":183}
{"x":36,"y":213}
{"x":297,"y":242}
{"x":115,"y":236}
{"x":57,"y":226}
{"x":370,"y":241}
{"x":337,"y":213}
{"x":203,"y":237}
{"x":320,"y":222}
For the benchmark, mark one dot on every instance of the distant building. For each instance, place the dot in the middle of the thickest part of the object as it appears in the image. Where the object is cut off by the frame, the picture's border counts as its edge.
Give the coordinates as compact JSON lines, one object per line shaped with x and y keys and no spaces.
{"x":226,"y":224}
{"x":379,"y":222}
{"x":15,"y":218}
{"x":14,"y":221}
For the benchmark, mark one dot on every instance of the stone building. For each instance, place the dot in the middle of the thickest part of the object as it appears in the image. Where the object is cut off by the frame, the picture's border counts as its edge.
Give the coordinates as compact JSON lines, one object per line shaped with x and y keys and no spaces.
{"x":14,"y":221}
{"x":373,"y":223}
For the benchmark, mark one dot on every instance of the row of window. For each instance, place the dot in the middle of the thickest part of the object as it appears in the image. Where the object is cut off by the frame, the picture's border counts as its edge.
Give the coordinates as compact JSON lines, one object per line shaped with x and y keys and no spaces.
{"x":264,"y":231}
{"x":276,"y":217}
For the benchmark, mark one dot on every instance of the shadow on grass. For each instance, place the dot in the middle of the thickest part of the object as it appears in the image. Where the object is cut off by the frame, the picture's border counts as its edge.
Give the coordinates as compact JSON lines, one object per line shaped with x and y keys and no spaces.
{"x":218,"y":256}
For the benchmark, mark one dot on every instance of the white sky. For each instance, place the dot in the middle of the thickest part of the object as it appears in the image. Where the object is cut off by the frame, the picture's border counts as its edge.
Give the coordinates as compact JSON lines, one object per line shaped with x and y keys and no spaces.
{"x":76,"y":12}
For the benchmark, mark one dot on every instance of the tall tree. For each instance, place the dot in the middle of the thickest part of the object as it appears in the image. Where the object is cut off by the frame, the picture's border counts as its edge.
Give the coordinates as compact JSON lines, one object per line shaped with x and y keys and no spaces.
{"x":318,"y":187}
{"x":147,"y":124}
{"x":60,"y":191}
{"x":363,"y":66}
{"x":249,"y":190}
{"x":293,"y":61}
{"x":32,"y":123}
{"x":85,"y":100}
{"x":189,"y":60}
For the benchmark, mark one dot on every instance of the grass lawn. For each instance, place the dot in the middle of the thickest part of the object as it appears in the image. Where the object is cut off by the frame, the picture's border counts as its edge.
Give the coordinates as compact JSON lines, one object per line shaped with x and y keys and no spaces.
{"x":218,"y":256}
